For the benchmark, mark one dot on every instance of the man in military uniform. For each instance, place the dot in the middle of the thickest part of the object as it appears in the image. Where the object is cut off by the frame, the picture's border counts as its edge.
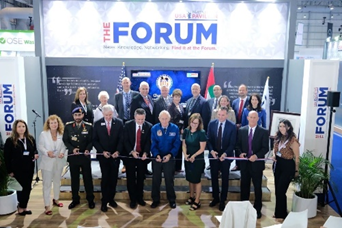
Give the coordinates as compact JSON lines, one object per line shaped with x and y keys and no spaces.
{"x":78,"y":140}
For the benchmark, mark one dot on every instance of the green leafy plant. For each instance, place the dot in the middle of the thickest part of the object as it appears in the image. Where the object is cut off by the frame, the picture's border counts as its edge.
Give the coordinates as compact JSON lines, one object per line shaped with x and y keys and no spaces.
{"x":4,"y":178}
{"x":311,"y":174}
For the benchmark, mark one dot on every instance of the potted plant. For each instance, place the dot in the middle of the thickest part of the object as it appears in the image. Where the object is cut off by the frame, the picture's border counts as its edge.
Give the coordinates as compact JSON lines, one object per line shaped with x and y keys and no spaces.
{"x":8,"y":197}
{"x":311,"y":177}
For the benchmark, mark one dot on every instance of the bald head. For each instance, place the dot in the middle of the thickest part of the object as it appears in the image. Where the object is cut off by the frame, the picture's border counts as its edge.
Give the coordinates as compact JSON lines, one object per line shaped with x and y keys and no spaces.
{"x":217,"y":91}
{"x":252,"y":118}
{"x":126,"y":84}
{"x":195,"y":90}
{"x":243,"y":91}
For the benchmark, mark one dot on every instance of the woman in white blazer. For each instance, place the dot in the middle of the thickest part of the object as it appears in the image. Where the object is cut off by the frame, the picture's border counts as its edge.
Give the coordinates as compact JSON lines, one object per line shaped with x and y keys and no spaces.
{"x":52,"y":149}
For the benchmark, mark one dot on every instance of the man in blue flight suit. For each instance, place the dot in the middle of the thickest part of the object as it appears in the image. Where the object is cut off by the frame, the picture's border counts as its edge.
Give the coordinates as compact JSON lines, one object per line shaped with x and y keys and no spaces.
{"x":165,"y":145}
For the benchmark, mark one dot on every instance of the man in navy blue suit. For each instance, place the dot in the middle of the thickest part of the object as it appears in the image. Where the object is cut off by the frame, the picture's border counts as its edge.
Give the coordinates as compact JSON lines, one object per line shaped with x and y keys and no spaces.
{"x":221,"y":142}
{"x":197,"y":104}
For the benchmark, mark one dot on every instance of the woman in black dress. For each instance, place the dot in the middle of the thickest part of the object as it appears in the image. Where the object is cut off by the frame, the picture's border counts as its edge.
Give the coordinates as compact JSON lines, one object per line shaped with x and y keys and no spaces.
{"x":194,"y":142}
{"x":177,"y":117}
{"x":20,"y":153}
{"x":81,"y":100}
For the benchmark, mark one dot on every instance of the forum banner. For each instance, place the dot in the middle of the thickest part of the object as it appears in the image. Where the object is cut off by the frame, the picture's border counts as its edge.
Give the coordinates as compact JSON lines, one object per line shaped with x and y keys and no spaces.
{"x":190,"y":30}
{"x":12,"y":93}
{"x":320,"y":76}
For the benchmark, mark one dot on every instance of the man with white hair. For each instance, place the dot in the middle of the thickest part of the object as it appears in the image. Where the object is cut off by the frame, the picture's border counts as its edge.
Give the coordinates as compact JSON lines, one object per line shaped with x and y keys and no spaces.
{"x":144,"y":101}
{"x":108,"y":140}
{"x":162,"y":103}
{"x":165,"y":145}
{"x":197,"y":104}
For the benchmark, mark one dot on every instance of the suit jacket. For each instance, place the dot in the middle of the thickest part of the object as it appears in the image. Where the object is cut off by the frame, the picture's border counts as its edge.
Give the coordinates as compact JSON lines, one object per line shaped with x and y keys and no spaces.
{"x":177,"y":117}
{"x":211,"y":102}
{"x":15,"y":160}
{"x":118,"y":102}
{"x":236,"y":106}
{"x":259,"y":146}
{"x":138,"y":102}
{"x":228,"y":138}
{"x":104,"y":142}
{"x":130,"y":137}
{"x":46,"y":144}
{"x":159,"y":105}
{"x":202,"y":107}
{"x":261,"y":114}
{"x":89,"y":115}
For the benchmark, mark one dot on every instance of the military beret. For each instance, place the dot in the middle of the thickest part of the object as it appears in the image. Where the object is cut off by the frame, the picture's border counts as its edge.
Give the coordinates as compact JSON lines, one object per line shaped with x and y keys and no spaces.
{"x":78,"y":110}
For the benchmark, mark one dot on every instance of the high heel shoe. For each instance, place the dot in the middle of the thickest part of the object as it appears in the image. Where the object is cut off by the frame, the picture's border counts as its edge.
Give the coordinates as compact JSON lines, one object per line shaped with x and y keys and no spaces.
{"x":195,"y":206}
{"x":57,"y":204}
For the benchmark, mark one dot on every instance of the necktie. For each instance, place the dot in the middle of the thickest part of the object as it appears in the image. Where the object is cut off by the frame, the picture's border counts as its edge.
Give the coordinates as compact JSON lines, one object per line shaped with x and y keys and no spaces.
{"x":215,"y":103}
{"x":165,"y":129}
{"x":250,"y":139}
{"x":147,"y":101}
{"x":108,"y":128}
{"x":240,"y":111}
{"x":138,"y":147}
{"x":127,"y":104}
{"x":192,"y":103}
{"x":219,"y":138}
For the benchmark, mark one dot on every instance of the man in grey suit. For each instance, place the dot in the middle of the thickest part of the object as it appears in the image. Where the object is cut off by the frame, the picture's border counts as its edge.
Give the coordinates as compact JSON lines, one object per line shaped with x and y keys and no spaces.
{"x":213,"y":102}
{"x":122,"y":100}
{"x":162,"y":103}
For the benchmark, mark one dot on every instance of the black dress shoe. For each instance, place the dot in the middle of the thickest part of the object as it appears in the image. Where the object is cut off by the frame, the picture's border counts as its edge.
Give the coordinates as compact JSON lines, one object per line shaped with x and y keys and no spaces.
{"x":113,"y":204}
{"x":155,"y":204}
{"x":222,"y":206}
{"x":148,"y":172}
{"x":91,"y":205}
{"x":133,"y":205}
{"x":73,"y":204}
{"x":213,"y":203}
{"x":259,"y":214}
{"x":28,"y":212}
{"x":141,"y":202}
{"x":104,"y":208}
{"x":172,"y":204}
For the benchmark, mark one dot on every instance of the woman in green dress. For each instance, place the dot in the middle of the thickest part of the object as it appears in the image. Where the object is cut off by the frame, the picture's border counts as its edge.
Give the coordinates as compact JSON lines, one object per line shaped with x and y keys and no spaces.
{"x":194,"y":142}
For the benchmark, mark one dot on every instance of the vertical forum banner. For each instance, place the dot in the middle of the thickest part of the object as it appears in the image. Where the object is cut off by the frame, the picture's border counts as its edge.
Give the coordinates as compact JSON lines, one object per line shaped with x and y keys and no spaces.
{"x":190,"y":30}
{"x":12,"y":93}
{"x":320,"y":76}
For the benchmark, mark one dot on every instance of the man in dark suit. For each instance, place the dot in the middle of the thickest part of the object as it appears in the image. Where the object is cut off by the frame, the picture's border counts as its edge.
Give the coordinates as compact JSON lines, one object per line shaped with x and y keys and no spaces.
{"x":221,"y":142}
{"x":77,"y":138}
{"x":162,"y":103}
{"x":137,"y":134}
{"x":123,"y":100}
{"x":197,"y":104}
{"x":238,"y":105}
{"x":108,"y":140}
{"x":144,"y":101}
{"x":213,"y":102}
{"x":252,"y":144}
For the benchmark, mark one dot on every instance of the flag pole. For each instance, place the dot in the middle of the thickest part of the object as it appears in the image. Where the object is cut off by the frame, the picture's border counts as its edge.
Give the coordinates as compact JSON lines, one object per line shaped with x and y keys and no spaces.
{"x":123,"y":63}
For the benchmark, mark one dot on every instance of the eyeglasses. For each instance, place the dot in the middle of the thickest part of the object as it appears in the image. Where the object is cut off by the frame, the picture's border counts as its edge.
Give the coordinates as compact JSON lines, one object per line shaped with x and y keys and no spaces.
{"x":195,"y":123}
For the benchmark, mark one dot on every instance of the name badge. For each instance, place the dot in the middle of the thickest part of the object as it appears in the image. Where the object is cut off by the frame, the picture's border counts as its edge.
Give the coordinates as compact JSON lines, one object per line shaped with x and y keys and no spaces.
{"x":172,"y":134}
{"x":84,"y":132}
{"x":26,"y":153}
{"x":278,"y":154}
{"x":189,"y":113}
{"x":74,"y":138}
{"x":103,"y":124}
{"x":181,"y":121}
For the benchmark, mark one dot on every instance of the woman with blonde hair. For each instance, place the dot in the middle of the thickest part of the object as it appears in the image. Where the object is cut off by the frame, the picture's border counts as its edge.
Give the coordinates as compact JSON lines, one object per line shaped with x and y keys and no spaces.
{"x":53,"y":153}
{"x":20,"y":153}
{"x":224,"y":102}
{"x":81,"y":100}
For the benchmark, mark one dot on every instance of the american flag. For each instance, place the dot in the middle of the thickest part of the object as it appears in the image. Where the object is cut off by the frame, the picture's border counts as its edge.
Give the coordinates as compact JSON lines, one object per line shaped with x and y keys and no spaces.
{"x":122,"y":75}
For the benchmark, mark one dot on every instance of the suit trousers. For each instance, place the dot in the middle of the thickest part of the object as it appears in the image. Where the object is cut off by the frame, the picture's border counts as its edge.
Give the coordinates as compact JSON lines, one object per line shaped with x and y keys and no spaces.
{"x":168,"y":169}
{"x":284,"y":172}
{"x":109,"y":170}
{"x":248,"y":173}
{"x":24,"y":178}
{"x":179,"y":159}
{"x":135,"y":171}
{"x":83,"y":163}
{"x":224,"y":166}
{"x":50,"y":177}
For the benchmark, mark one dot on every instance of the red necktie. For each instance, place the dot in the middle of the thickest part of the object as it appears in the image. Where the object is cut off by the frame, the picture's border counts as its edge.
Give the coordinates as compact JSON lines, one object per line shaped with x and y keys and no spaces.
{"x":138,"y":147}
{"x":240,"y":111}
{"x":108,"y":128}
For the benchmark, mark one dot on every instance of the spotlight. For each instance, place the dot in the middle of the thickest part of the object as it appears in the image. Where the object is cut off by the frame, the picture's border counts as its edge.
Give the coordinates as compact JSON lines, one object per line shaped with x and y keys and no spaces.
{"x":304,"y":16}
{"x":299,"y":8}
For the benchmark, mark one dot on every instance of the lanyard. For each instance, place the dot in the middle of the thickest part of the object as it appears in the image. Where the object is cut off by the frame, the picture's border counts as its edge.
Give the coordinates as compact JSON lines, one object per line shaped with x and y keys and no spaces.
{"x":24,"y":143}
{"x":283,"y":145}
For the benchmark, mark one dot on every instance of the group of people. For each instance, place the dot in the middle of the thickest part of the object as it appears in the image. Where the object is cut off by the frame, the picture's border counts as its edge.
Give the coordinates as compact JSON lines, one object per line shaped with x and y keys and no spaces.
{"x":139,"y":130}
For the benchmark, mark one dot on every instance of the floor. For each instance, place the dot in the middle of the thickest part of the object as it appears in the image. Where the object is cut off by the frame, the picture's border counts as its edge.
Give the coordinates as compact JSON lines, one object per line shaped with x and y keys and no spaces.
{"x":123,"y":216}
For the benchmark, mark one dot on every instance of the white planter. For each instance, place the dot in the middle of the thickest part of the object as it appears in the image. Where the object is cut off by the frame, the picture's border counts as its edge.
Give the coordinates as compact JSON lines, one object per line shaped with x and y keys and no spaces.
{"x":302,"y":204}
{"x":8,"y":204}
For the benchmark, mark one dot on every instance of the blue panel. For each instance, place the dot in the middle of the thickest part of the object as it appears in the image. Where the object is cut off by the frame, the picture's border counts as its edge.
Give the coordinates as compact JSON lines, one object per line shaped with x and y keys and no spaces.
{"x":336,"y":174}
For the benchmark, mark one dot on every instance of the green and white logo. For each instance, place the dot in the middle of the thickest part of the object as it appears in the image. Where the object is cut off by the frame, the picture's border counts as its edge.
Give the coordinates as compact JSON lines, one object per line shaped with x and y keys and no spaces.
{"x":2,"y":40}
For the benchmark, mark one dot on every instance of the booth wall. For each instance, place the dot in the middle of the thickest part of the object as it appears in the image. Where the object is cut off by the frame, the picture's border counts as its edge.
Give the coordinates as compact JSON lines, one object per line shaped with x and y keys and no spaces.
{"x":294,"y":88}
{"x":336,"y":173}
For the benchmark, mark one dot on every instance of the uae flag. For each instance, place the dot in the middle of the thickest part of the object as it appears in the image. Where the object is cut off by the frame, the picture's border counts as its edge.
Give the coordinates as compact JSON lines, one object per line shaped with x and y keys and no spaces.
{"x":209,"y":90}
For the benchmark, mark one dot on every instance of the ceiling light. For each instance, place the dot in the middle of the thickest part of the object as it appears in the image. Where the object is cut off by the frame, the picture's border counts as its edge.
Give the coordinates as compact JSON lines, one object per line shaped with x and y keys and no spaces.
{"x":299,"y":8}
{"x":304,"y":16}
